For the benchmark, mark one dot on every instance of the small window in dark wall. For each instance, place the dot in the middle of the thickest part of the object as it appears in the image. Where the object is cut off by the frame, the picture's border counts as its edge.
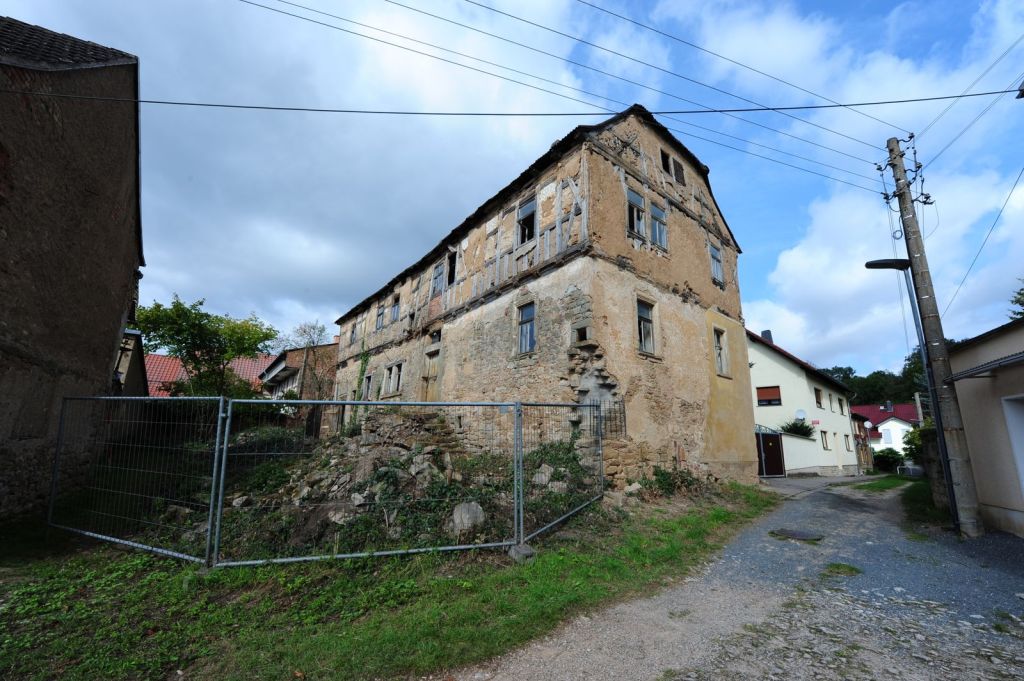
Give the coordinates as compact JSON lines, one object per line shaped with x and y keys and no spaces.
{"x":435,"y":336}
{"x":645,"y":326}
{"x":527,"y":329}
{"x":677,"y":172}
{"x":769,"y":396}
{"x":666,"y":162}
{"x":582,"y":333}
{"x":527,"y":221}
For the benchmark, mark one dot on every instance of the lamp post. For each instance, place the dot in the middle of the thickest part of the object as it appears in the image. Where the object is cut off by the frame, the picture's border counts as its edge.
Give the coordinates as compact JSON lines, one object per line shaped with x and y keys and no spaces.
{"x":903,"y":265}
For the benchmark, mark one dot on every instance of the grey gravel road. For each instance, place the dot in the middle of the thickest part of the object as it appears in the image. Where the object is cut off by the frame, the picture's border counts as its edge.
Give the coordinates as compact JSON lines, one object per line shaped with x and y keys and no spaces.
{"x":924,"y":606}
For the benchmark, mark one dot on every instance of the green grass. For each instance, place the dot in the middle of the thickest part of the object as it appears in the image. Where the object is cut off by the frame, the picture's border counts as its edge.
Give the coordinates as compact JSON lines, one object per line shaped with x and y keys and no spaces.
{"x":884,"y":483}
{"x":918,"y":505}
{"x":77,"y":610}
{"x":840,"y":570}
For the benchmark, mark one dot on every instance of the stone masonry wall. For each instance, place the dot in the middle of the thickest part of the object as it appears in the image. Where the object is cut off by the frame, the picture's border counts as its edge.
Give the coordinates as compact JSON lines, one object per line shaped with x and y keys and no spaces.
{"x":68,"y":211}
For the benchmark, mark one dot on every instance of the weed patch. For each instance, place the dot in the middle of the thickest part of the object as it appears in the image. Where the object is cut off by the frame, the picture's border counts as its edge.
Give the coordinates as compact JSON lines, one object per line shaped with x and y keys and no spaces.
{"x":841,"y":570}
{"x":884,"y":483}
{"x":919,"y":507}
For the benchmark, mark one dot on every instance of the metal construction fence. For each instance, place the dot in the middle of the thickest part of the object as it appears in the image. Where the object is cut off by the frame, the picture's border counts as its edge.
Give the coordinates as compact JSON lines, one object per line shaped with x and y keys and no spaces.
{"x":245,"y":482}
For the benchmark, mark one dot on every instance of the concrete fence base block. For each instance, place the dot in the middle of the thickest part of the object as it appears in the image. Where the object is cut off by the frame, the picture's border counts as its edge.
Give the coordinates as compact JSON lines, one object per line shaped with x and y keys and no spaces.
{"x":522,"y":553}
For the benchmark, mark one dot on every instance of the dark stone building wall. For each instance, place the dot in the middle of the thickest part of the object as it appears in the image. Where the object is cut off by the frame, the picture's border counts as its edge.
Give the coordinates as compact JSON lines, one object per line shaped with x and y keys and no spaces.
{"x":69,"y":252}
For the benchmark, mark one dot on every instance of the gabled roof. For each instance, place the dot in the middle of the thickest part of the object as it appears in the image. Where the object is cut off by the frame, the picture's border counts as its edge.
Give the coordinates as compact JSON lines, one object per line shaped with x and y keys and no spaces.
{"x":163,"y":369}
{"x":35,"y":47}
{"x":806,"y":366}
{"x":557,"y":150}
{"x":878,"y":414}
{"x":991,"y":333}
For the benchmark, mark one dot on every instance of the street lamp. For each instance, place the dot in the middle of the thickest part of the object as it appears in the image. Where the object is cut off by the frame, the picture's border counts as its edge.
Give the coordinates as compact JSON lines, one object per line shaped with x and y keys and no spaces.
{"x":903,"y":264}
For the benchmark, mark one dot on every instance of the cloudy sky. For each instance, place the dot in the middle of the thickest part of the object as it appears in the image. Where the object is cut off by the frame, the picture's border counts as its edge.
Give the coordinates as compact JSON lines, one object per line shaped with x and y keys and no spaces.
{"x":298,"y":216}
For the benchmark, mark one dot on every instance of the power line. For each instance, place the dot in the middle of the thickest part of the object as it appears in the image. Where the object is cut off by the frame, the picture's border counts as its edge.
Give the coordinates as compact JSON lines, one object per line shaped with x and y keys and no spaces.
{"x":976,"y":80}
{"x":733,"y":61}
{"x":585,"y":92}
{"x":971,"y":124}
{"x":985,"y":241}
{"x":608,"y":74}
{"x":472,"y":68}
{"x":583,"y":41}
{"x":406,"y":112}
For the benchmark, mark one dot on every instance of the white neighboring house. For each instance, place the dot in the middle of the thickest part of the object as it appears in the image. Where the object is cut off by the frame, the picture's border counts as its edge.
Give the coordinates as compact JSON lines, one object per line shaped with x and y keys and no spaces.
{"x":889,"y":423}
{"x":785,"y":388}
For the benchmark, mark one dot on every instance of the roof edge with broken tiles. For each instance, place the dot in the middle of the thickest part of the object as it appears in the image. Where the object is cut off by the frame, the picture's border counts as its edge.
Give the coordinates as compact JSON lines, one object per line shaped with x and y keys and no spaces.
{"x":558,"y":149}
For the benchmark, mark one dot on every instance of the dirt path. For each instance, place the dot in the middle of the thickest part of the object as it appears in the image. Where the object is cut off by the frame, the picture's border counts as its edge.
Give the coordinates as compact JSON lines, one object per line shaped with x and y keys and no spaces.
{"x":923,"y":606}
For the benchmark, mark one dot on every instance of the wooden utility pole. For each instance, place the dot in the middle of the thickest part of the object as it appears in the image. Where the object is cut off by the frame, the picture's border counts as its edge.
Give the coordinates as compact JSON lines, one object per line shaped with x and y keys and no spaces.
{"x":948,"y":422}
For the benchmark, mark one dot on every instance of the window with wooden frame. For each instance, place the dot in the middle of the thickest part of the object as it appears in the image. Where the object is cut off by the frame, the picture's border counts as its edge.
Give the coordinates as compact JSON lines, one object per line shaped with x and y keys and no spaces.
{"x":380,"y":317}
{"x":659,"y":227}
{"x":769,"y":396}
{"x":635,"y":214}
{"x":395,"y":308}
{"x":527,"y":328}
{"x":677,"y":172}
{"x":526,"y":220}
{"x":717,"y":269}
{"x":437,"y":280}
{"x":453,"y":261}
{"x":367,"y":385}
{"x":645,"y":326}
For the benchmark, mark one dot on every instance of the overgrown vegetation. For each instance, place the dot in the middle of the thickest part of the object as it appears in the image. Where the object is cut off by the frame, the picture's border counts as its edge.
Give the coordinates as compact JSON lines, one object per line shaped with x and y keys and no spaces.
{"x":913,"y":441}
{"x":798,"y":427}
{"x":919,"y":506}
{"x":841,"y":570}
{"x":887,"y":459}
{"x":82,"y":611}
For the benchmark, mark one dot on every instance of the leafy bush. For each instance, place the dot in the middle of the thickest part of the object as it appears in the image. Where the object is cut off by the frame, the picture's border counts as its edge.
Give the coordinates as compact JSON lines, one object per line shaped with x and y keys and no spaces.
{"x":667,"y":483}
{"x":887,"y":459}
{"x":798,"y":427}
{"x":913,"y":441}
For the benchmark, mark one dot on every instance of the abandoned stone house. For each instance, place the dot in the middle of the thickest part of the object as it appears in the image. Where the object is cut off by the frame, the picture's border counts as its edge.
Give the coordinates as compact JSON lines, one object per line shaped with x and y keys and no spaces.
{"x":71,"y":237}
{"x":605,"y":271}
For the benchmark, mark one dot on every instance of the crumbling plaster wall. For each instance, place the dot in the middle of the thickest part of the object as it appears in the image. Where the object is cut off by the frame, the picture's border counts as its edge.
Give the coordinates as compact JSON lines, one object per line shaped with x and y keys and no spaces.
{"x":68,"y":211}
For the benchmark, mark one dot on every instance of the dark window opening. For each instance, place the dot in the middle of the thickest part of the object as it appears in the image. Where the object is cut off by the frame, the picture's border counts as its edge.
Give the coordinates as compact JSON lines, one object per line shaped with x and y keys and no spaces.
{"x":677,"y":172}
{"x":666,"y":162}
{"x":453,"y":258}
{"x":435,"y":336}
{"x":527,"y":221}
{"x":582,"y":333}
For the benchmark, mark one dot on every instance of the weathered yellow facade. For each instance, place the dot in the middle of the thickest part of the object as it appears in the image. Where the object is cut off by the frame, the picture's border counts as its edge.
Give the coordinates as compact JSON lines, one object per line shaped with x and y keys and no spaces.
{"x":628,"y":271}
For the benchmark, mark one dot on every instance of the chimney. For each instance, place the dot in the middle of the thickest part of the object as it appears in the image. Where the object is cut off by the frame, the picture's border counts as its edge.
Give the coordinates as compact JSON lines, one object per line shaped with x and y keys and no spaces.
{"x":767,"y":335}
{"x":337,"y":339}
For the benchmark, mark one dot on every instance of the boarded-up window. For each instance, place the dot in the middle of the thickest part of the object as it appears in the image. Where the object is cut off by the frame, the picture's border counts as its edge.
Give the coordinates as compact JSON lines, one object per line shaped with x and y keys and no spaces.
{"x":769,"y":396}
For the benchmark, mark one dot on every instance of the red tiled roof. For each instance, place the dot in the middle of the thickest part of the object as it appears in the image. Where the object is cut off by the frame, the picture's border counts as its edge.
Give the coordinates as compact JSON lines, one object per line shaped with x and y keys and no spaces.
{"x":162,"y":369}
{"x":877,"y":414}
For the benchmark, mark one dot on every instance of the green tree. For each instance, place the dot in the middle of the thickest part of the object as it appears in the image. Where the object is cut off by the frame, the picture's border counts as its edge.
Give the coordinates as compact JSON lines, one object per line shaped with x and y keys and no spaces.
{"x":842,"y":374}
{"x":205,"y":343}
{"x":1018,"y":303}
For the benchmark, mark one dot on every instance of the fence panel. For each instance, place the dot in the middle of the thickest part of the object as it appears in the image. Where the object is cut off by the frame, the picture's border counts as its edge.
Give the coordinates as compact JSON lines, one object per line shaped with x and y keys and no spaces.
{"x":562,"y":463}
{"x":138,"y":471}
{"x":393,"y":478}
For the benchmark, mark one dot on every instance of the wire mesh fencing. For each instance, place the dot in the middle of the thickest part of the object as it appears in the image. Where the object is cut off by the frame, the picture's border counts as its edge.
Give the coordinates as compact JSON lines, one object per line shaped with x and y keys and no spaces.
{"x":241,"y":482}
{"x":138,"y":471}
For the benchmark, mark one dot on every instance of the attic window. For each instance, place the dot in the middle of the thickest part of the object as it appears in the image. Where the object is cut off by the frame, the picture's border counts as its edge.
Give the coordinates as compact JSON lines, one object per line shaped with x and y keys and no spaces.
{"x":527,"y":220}
{"x":635,"y":214}
{"x":666,"y":162}
{"x":677,"y":172}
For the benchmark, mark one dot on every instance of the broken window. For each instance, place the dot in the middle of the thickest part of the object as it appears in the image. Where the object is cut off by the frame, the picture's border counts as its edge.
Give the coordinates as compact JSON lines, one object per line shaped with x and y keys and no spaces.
{"x":396,"y":379}
{"x":717,"y":271}
{"x":677,"y":172}
{"x":645,"y":325}
{"x":527,"y":331}
{"x":659,"y":230}
{"x":435,"y":336}
{"x":437,"y":281}
{"x":721,"y":353}
{"x":395,"y":308}
{"x":527,"y":221}
{"x":769,"y":396}
{"x":453,"y":258}
{"x":666,"y":162}
{"x":352,"y":335}
{"x":582,"y":333}
{"x":635,"y":215}
{"x":367,"y":385}
{"x":380,"y":317}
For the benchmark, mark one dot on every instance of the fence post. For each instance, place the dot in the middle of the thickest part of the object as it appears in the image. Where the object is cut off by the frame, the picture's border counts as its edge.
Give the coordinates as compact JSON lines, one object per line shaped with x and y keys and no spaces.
{"x":600,"y":444}
{"x":56,"y":462}
{"x":219,"y":486}
{"x":214,"y":481}
{"x":518,"y":477}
